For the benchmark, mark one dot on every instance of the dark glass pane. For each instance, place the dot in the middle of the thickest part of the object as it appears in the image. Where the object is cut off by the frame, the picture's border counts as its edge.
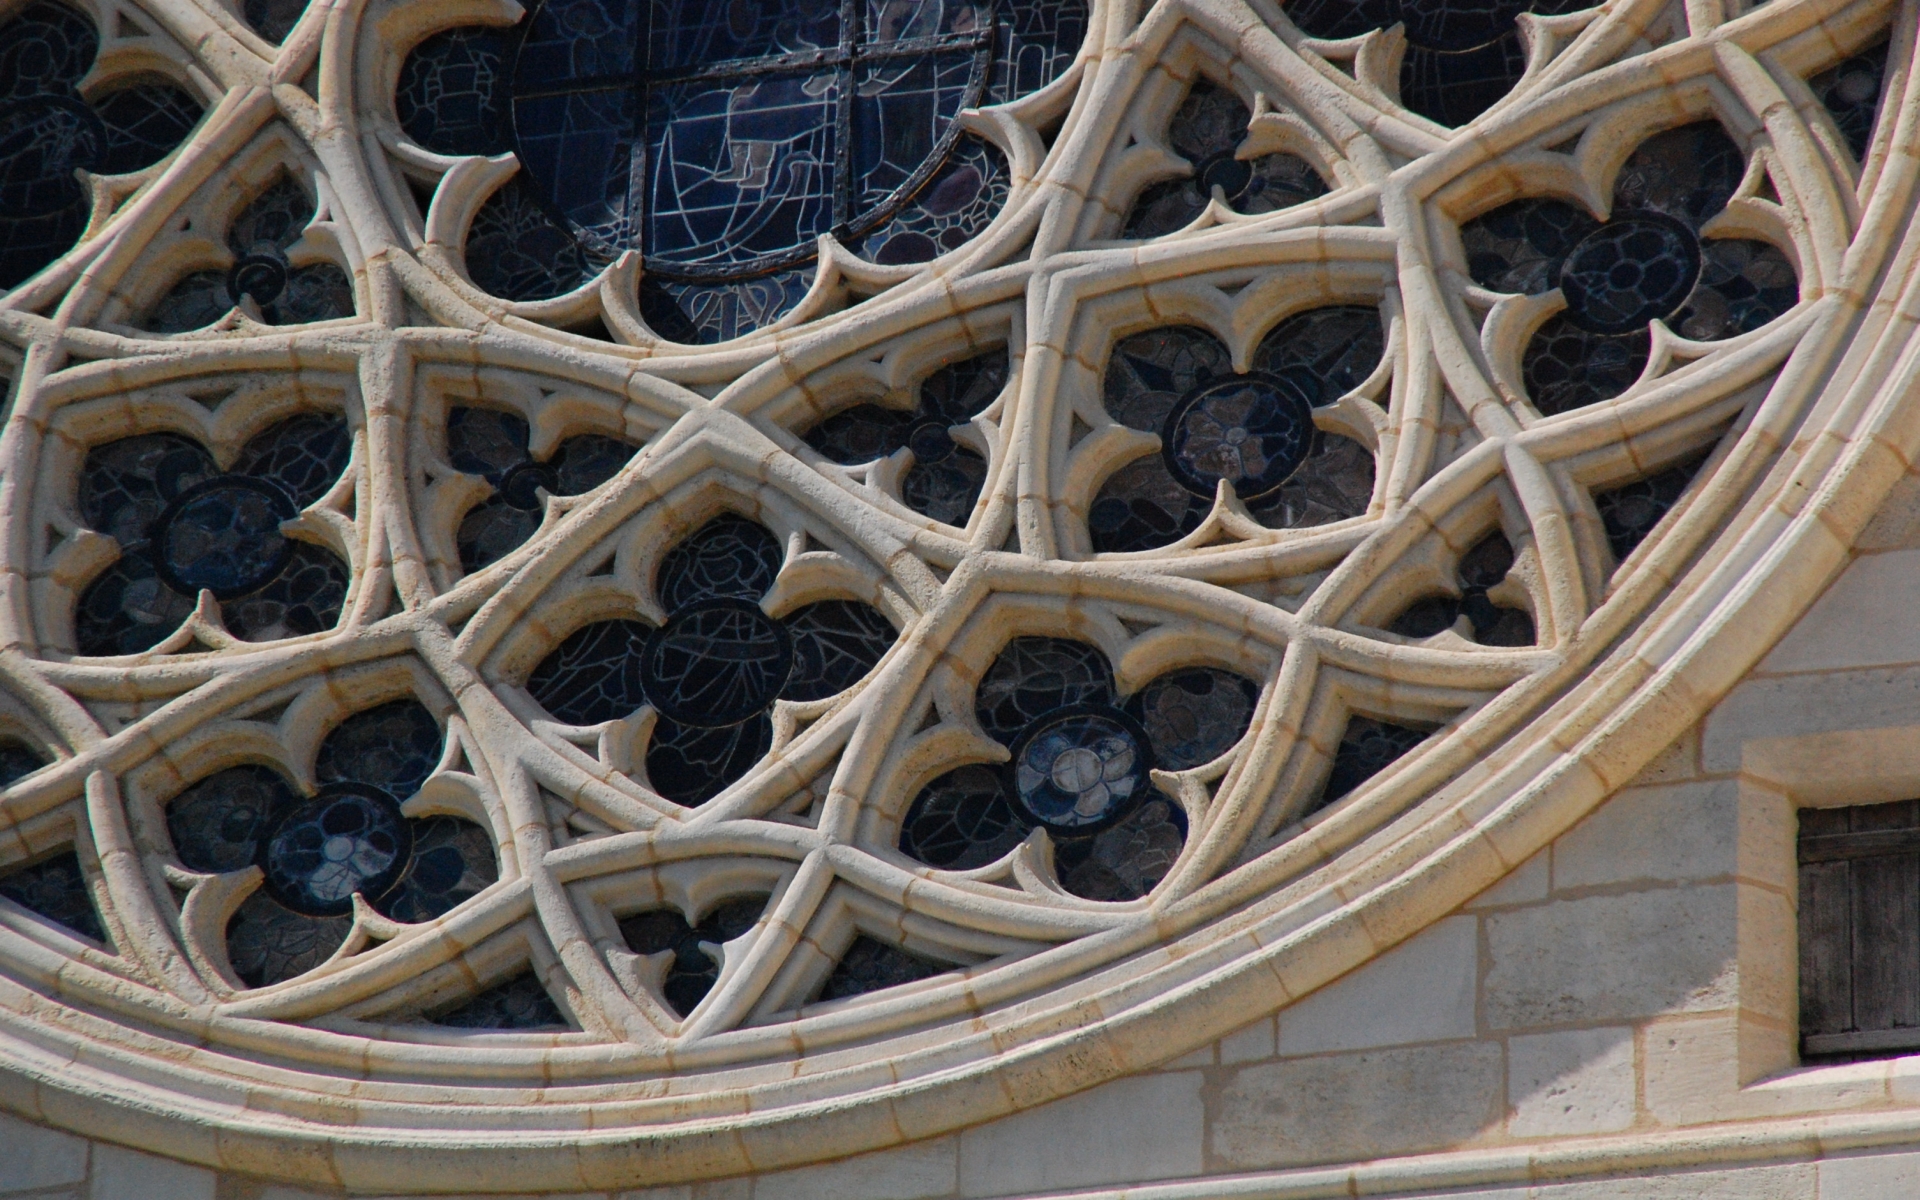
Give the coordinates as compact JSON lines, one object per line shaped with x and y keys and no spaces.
{"x":594,"y":675}
{"x":519,"y":1003}
{"x":1128,"y":860}
{"x":1851,"y":92}
{"x":1452,"y":87}
{"x":198,"y":300}
{"x":1142,"y":506}
{"x":42,"y":140}
{"x":871,"y":966}
{"x":1035,"y":675}
{"x":321,"y":292}
{"x":570,"y":41}
{"x":217,"y":823}
{"x":125,"y":485}
{"x":957,"y":202}
{"x":902,"y":108}
{"x":1516,"y":247}
{"x":1481,"y":568}
{"x":127,"y":609}
{"x":1458,"y":24}
{"x":1688,"y":174}
{"x":1632,"y":270}
{"x":862,"y":433}
{"x":17,"y":761}
{"x":693,"y":971}
{"x":1334,"y":19}
{"x":691,"y":765}
{"x":1206,"y":130}
{"x":306,"y":597}
{"x":322,"y":852}
{"x":890,"y":21}
{"x":947,"y":489}
{"x":1036,"y":41}
{"x":729,"y":557}
{"x":303,"y":456}
{"x":393,"y":747}
{"x":274,"y":19}
{"x":1367,"y":748}
{"x":273,"y":221}
{"x":452,"y":92}
{"x":1565,"y":367}
{"x":30,"y":243}
{"x":702,"y":314}
{"x":517,"y":252}
{"x":268,"y":942}
{"x":491,"y":530}
{"x":1630,"y":511}
{"x":835,"y":644}
{"x":964,"y":819}
{"x":486,"y":441}
{"x":1149,"y":372}
{"x":716,"y":663}
{"x":144,"y":123}
{"x":583,"y":463}
{"x":46,"y":48}
{"x":739,"y":171}
{"x":55,"y":888}
{"x":453,"y":861}
{"x":1195,"y":715}
{"x":1334,"y":483}
{"x":1743,"y":285}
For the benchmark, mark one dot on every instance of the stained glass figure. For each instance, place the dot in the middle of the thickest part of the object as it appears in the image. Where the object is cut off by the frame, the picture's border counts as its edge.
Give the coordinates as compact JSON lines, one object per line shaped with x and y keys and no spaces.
{"x":183,"y":526}
{"x":695,"y":948}
{"x":723,"y":142}
{"x":1630,"y":511}
{"x":1207,"y":130}
{"x":55,"y":888}
{"x":870,"y":965}
{"x":1368,"y":747}
{"x":259,"y":238}
{"x":1079,"y":767}
{"x":17,"y":761}
{"x":317,"y":852}
{"x":713,"y":671}
{"x":519,"y":1003}
{"x":1462,"y":56}
{"x":493,"y":445}
{"x":945,"y":479}
{"x":1254,"y":430}
{"x":1647,"y":262}
{"x":48,"y":130}
{"x":1851,"y":92}
{"x":1481,"y":568}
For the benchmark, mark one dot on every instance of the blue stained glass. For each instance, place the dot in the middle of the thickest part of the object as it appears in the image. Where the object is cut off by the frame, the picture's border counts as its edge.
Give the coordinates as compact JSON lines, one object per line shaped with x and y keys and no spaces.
{"x":681,"y":35}
{"x":723,"y":140}
{"x":743,"y":171}
{"x":579,"y":148}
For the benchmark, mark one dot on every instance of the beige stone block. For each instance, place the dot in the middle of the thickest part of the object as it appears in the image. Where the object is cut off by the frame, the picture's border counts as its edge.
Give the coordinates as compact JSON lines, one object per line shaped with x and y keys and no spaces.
{"x":1252,"y":1044}
{"x":1660,"y":834}
{"x":121,"y":1174}
{"x":1528,"y":883}
{"x":1869,"y":1176}
{"x":1421,"y":991}
{"x":1852,"y":624}
{"x":1603,"y":958}
{"x":1356,"y":1106}
{"x":1572,"y":1082}
{"x":1142,"y":1128}
{"x":1792,"y":1181}
{"x":286,"y":1193}
{"x":37,"y":1157}
{"x":1676,"y":764}
{"x":909,"y":1173}
{"x":1195,"y":1059}
{"x":1792,"y":705}
{"x":1703,"y":1068}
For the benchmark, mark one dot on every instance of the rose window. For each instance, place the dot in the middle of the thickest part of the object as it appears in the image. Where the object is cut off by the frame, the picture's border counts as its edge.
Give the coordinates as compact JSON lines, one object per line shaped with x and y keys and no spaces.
{"x":864,"y":564}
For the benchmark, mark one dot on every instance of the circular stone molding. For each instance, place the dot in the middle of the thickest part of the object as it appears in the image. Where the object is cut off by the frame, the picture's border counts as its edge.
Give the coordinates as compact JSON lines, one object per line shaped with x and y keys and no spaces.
{"x":604,"y":687}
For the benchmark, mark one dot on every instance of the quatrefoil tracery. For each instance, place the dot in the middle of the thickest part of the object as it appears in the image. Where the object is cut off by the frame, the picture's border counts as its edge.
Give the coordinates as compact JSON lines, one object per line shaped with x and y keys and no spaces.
{"x":1229,"y":457}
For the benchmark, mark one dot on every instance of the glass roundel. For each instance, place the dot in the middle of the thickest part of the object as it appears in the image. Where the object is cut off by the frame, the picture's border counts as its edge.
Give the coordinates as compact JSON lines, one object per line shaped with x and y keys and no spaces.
{"x":1253,"y":431}
{"x":722,"y":140}
{"x":322,"y":852}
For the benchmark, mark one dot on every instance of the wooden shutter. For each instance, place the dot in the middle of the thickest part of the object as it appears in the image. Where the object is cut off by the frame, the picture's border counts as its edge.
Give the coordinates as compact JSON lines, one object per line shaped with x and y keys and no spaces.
{"x":1859,"y":931}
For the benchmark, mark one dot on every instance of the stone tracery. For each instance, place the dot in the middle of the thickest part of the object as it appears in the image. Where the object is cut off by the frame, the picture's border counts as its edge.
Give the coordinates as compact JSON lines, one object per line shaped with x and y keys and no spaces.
{"x":939,"y":631}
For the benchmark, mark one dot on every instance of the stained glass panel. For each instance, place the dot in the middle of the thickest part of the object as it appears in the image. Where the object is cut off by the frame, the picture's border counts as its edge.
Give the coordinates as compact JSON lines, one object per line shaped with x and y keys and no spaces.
{"x":871,"y":966}
{"x":1482,"y":568}
{"x":519,"y":1003}
{"x":1207,"y":130}
{"x":1851,"y":92}
{"x":1368,"y":747}
{"x":694,"y":969}
{"x":56,"y":888}
{"x":1630,"y":511}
